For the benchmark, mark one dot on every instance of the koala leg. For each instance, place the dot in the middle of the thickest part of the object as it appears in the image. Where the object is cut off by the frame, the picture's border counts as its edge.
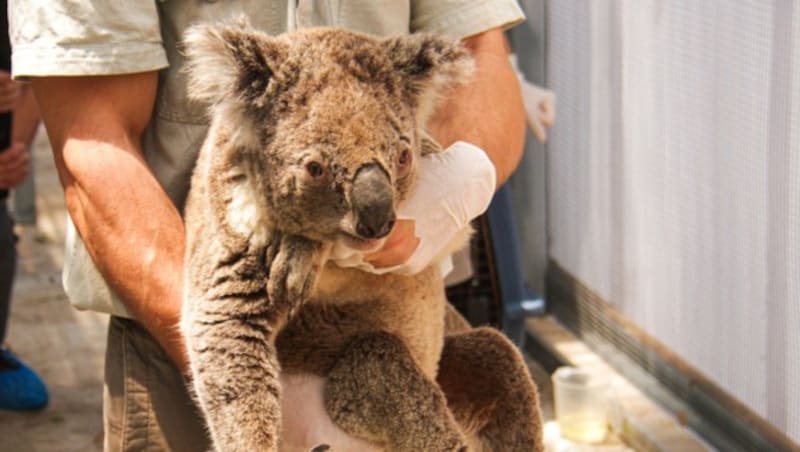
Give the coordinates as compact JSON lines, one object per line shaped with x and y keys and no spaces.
{"x":377,"y":392}
{"x":490,"y":391}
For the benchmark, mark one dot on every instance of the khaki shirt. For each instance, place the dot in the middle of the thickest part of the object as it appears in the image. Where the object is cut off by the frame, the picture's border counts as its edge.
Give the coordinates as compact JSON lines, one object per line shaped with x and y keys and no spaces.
{"x":82,"y":37}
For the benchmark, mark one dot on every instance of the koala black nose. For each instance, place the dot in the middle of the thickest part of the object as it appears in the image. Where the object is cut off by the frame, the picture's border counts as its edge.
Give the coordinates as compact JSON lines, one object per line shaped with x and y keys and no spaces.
{"x":372,"y":198}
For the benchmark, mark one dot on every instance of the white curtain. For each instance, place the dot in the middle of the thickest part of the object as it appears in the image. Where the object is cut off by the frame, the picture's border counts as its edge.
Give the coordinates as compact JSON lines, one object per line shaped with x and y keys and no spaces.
{"x":674,"y":180}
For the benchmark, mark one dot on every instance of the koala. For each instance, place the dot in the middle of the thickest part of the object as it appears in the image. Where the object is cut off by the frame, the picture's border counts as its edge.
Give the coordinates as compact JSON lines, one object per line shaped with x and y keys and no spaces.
{"x":313,"y":142}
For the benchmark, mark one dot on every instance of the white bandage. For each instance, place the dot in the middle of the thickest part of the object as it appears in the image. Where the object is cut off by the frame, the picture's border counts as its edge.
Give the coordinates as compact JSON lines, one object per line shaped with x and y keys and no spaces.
{"x":453,"y":187}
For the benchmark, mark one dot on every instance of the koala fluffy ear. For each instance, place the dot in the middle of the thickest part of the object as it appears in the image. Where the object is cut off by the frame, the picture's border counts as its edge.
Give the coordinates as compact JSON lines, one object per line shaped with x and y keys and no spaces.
{"x":428,"y":144}
{"x":427,"y":64}
{"x":230,"y":61}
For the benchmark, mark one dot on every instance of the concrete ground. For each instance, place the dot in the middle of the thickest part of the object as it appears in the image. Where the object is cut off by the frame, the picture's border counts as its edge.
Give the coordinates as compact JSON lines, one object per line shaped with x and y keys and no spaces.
{"x":66,"y":346}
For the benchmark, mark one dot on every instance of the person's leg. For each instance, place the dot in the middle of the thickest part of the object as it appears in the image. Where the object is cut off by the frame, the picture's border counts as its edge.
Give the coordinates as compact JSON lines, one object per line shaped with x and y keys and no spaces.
{"x":146,"y":404}
{"x":20,"y":387}
{"x":8,"y":260}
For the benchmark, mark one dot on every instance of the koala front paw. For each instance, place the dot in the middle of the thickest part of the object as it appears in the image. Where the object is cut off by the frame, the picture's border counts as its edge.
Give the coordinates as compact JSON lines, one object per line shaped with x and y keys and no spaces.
{"x":294,"y":264}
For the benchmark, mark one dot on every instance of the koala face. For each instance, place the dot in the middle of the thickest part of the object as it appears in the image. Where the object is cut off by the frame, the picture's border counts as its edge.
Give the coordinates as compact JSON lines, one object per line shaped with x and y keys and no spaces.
{"x":347,"y":157}
{"x":329,"y":123}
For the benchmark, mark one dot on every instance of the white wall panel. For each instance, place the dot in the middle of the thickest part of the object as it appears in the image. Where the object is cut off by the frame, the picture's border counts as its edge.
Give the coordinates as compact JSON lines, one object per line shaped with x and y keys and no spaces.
{"x":674,"y":180}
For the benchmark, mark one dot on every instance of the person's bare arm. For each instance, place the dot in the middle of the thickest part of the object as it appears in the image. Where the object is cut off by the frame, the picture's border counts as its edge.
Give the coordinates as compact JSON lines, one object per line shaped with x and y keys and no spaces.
{"x":487,"y":111}
{"x":131,"y":229}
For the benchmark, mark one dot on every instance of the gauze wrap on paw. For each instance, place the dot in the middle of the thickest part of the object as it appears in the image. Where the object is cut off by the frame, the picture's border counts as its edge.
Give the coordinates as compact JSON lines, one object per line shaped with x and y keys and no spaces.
{"x":453,"y":187}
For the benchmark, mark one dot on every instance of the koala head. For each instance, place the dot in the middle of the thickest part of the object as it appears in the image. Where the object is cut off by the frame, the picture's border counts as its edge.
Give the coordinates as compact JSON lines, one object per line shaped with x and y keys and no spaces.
{"x":324,"y":127}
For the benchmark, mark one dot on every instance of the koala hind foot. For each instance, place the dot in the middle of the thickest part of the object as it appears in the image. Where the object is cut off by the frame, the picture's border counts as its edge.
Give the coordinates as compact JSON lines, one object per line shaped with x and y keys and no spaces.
{"x":490,"y":391}
{"x":377,"y":392}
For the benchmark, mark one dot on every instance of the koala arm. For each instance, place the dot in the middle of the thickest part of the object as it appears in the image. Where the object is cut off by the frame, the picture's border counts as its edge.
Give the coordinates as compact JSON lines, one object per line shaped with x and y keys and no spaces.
{"x":230,"y":323}
{"x":94,"y":125}
{"x":488,"y":111}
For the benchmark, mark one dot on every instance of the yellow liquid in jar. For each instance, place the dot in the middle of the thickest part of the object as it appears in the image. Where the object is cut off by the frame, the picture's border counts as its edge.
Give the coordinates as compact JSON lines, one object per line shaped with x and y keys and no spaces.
{"x":583,"y":427}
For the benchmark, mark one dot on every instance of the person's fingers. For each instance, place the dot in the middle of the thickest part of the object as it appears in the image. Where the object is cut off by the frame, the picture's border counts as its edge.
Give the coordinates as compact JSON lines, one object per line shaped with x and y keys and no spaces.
{"x":548,"y":110}
{"x":398,"y":248}
{"x":539,"y":108}
{"x":397,"y":255}
{"x":538,"y":129}
{"x":13,"y":161}
{"x":9,"y":87}
{"x":13,"y":153}
{"x":7,"y":156}
{"x":20,"y":164}
{"x":14,"y":168}
{"x":18,"y":147}
{"x":8,"y":103}
{"x":17,"y":163}
{"x":403,"y":228}
{"x":12,"y":179}
{"x":12,"y":183}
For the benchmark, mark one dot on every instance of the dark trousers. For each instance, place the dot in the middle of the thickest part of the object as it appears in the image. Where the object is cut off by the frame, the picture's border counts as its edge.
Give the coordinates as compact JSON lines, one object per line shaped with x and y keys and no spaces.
{"x":8,"y":261}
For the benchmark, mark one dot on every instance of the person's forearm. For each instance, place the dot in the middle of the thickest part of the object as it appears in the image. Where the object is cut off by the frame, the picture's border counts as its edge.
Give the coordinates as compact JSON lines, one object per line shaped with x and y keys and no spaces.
{"x":133,"y":233}
{"x":131,"y":229}
{"x":26,"y":118}
{"x":487,"y":111}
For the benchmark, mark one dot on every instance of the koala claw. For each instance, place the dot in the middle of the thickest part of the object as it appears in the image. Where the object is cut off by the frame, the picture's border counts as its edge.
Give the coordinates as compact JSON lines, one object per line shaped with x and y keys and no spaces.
{"x":456,"y":444}
{"x":294,"y":263}
{"x":462,"y":447}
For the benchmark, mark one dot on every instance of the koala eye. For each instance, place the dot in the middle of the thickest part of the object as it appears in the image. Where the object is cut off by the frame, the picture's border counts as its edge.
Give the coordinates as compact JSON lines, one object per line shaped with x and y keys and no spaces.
{"x":315,"y":170}
{"x":404,"y":159}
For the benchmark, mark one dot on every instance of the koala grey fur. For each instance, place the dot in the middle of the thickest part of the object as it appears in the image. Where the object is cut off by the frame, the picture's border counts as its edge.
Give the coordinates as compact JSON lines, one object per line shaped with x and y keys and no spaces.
{"x":314,"y":140}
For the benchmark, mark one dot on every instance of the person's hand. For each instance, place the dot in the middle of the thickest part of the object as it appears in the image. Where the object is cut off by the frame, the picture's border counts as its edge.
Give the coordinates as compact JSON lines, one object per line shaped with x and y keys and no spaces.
{"x":10,"y":92}
{"x":540,"y":108}
{"x":398,"y":247}
{"x":452,"y":188}
{"x":13,"y":165}
{"x":539,"y":103}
